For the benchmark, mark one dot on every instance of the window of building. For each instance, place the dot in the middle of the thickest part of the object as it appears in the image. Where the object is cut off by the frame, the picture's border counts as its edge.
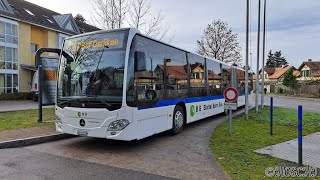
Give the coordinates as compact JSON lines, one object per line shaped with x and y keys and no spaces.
{"x":8,"y":58}
{"x":34,"y":48}
{"x":48,"y":19}
{"x":306,"y":73}
{"x":8,"y":33}
{"x":9,"y":64}
{"x":29,"y":12}
{"x":2,"y":32}
{"x":8,"y":83}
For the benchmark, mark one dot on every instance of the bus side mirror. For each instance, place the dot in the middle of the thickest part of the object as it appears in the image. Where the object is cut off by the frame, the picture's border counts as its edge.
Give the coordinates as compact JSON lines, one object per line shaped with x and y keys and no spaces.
{"x":140,"y":61}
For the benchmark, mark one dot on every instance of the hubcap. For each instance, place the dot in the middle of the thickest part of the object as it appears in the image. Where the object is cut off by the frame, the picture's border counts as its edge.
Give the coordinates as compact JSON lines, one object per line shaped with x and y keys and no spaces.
{"x":178,"y":119}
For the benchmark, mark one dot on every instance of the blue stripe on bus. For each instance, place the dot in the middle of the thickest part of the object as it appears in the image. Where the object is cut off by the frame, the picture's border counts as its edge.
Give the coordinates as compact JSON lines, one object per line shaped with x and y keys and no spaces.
{"x":170,"y":102}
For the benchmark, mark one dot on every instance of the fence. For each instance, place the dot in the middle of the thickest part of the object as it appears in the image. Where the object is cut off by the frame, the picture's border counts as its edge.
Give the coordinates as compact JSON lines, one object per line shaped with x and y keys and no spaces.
{"x":302,"y":89}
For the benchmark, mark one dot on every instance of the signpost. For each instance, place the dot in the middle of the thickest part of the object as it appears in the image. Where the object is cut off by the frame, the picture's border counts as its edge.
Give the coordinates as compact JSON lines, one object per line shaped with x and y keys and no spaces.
{"x":231,"y":95}
{"x":39,"y":65}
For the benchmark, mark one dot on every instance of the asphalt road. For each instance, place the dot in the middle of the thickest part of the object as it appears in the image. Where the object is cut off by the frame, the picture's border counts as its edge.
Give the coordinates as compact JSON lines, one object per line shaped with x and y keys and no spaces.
{"x":28,"y":164}
{"x":308,"y":104}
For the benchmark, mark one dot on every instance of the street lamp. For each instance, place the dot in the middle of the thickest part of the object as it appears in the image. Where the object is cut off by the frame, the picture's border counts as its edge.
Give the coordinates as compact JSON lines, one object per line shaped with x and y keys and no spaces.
{"x":258,"y":59}
{"x":263,"y":53}
{"x":246,"y":67}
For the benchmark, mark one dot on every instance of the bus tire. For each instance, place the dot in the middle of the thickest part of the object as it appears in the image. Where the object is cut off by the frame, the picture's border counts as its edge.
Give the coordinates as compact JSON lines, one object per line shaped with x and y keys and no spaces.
{"x":178,"y":120}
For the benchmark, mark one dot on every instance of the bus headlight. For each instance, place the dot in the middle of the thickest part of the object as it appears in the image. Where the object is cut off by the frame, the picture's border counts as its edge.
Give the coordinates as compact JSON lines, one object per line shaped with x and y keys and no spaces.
{"x":118,"y":125}
{"x":58,"y":120}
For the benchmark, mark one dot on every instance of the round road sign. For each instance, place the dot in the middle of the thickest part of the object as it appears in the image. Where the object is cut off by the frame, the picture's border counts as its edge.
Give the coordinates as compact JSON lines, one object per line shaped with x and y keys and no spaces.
{"x":231,"y":94}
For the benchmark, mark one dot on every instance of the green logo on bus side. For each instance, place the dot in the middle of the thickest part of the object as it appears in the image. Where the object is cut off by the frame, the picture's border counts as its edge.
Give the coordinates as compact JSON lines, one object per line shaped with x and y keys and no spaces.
{"x":79,"y":114}
{"x":192,"y":111}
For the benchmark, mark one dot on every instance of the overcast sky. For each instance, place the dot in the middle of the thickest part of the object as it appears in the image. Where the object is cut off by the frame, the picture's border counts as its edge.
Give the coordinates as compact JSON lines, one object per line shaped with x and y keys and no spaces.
{"x":293,"y":26}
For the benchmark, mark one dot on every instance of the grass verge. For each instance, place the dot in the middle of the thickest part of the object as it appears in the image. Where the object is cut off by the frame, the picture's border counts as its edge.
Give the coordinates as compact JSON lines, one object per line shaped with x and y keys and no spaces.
{"x":25,"y":119}
{"x":236,"y":153}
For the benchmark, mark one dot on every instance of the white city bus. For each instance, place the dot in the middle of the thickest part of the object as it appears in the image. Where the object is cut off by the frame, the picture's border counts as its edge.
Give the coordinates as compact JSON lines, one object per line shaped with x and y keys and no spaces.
{"x":122,"y":85}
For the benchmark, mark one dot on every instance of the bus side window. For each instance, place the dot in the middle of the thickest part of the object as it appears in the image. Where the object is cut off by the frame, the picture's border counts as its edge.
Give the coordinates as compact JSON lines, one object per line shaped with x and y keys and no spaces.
{"x":176,"y":74}
{"x":226,"y":76}
{"x":214,"y":78}
{"x":197,"y":75}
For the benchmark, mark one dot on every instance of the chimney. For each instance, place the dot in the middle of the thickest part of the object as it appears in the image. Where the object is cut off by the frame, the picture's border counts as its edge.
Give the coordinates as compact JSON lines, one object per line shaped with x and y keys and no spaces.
{"x":309,"y":60}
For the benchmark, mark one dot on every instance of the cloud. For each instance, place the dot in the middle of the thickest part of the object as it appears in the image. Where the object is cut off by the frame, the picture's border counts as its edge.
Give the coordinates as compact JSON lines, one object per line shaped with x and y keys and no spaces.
{"x":293,"y":26}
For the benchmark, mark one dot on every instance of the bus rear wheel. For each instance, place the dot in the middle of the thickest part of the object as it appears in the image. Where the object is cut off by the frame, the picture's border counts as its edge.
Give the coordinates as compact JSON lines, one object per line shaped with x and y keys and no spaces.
{"x":178,"y":120}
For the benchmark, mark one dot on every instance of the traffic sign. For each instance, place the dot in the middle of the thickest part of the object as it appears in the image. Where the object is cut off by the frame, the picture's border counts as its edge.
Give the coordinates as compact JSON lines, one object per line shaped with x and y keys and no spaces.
{"x":231,"y":94}
{"x":231,"y":106}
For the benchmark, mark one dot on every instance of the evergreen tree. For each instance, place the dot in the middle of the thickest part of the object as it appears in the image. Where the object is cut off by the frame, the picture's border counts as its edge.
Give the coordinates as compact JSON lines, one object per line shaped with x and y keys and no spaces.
{"x":79,"y":17}
{"x":279,"y":59}
{"x":289,"y":79}
{"x":270,"y":61}
{"x":276,"y":59}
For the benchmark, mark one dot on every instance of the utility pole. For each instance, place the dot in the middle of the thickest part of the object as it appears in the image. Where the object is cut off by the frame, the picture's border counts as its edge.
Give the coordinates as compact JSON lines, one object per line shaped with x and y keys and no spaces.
{"x":258,"y":58}
{"x":247,"y":60}
{"x":263,"y":53}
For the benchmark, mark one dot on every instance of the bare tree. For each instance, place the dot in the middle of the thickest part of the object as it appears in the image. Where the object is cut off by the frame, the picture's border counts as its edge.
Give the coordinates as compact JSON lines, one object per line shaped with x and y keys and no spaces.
{"x":112,"y":14}
{"x":140,"y":9}
{"x":109,"y":14}
{"x":220,"y":43}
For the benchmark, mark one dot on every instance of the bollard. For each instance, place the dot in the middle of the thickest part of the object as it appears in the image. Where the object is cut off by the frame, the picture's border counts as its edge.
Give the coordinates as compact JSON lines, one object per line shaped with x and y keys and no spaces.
{"x":271,"y":116}
{"x":300,"y":135}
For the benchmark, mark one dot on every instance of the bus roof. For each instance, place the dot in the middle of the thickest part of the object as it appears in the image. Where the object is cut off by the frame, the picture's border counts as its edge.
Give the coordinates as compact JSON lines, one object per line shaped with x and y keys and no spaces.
{"x":136,"y":31}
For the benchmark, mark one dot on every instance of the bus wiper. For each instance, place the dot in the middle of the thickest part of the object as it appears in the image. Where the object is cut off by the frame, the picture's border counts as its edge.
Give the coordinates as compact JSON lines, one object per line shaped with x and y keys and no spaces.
{"x":108,"y":105}
{"x":69,"y":101}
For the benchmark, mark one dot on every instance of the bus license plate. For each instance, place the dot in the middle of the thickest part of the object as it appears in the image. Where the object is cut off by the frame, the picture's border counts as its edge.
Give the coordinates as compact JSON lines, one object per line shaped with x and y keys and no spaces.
{"x":82,"y":132}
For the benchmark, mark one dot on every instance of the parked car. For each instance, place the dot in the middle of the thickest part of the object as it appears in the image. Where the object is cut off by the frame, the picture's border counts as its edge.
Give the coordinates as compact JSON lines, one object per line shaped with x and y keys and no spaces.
{"x":34,"y":88}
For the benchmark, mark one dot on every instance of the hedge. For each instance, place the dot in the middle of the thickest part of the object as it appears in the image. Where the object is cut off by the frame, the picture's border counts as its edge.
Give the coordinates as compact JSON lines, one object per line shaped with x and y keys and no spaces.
{"x":16,"y":96}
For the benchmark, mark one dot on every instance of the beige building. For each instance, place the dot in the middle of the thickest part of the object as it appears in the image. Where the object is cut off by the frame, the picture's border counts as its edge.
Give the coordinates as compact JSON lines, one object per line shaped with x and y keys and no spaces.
{"x":275,"y":76}
{"x":309,"y":71}
{"x":24,"y":28}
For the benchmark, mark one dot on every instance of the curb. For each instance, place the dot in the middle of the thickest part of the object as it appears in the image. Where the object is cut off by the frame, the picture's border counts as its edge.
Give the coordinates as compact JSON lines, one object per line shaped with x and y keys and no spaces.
{"x":32,"y":140}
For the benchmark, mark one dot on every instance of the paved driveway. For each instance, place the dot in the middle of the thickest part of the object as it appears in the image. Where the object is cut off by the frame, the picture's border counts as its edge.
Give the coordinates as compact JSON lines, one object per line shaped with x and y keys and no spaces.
{"x":184,"y":156}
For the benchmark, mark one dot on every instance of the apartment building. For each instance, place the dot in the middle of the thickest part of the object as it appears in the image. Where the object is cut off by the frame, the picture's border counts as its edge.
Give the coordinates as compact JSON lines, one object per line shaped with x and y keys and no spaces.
{"x":24,"y":28}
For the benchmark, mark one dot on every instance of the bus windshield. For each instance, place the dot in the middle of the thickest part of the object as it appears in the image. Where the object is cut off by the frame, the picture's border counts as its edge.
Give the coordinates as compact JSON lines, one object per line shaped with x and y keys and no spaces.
{"x":91,"y":71}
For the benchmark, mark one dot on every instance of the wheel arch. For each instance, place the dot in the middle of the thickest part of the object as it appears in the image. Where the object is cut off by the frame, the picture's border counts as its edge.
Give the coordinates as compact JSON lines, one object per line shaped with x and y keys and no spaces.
{"x":183,"y":106}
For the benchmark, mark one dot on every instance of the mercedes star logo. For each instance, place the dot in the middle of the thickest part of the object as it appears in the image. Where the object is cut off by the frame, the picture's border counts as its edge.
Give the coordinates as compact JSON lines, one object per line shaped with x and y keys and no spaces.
{"x":82,"y":122}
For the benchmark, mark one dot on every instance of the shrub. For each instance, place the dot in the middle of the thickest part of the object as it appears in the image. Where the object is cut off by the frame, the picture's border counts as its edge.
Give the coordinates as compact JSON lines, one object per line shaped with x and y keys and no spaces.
{"x":280,"y":90}
{"x":16,"y":96}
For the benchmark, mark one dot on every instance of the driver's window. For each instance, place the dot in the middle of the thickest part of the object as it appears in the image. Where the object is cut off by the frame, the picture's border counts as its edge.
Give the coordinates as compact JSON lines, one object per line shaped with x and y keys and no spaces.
{"x":145,"y":88}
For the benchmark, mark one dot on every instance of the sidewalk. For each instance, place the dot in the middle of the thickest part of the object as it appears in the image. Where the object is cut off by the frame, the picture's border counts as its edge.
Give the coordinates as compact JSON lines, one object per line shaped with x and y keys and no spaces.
{"x":27,"y":133}
{"x":289,"y":150}
{"x":6,"y":106}
{"x":29,"y":136}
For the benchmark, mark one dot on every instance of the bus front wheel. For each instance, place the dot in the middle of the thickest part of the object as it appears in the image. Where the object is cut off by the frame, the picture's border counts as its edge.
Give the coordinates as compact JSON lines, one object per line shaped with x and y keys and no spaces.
{"x":178,"y":120}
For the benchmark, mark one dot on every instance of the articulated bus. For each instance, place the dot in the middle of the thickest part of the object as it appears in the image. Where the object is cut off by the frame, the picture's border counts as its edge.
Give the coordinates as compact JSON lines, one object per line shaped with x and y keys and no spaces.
{"x":123,"y":85}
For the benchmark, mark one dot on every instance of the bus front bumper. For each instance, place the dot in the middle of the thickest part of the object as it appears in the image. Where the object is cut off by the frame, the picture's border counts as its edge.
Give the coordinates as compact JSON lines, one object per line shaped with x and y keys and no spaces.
{"x":98,"y":132}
